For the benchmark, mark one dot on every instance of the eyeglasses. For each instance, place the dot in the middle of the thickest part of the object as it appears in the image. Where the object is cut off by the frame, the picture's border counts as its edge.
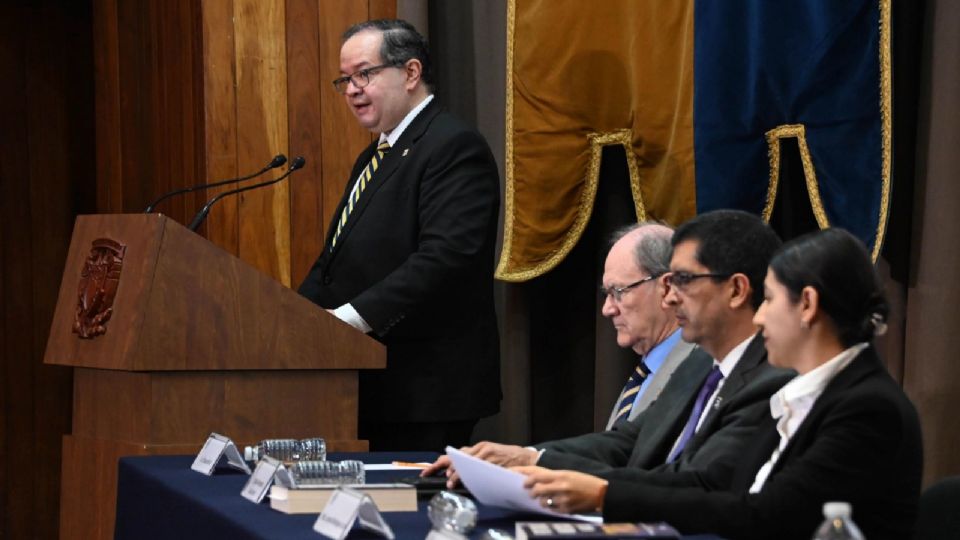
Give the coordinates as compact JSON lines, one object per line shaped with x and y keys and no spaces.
{"x":617,"y":292}
{"x":360,"y":78}
{"x":680,"y":280}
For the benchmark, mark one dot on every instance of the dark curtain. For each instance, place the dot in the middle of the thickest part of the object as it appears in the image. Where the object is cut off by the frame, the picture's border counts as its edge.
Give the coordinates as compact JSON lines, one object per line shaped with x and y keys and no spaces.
{"x":932,"y":320}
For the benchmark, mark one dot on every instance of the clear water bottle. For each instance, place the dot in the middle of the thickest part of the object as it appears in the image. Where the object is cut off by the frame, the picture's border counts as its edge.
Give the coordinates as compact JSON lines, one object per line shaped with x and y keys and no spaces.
{"x":288,"y":450}
{"x":328,"y":472}
{"x":451,"y":512}
{"x":837,"y":523}
{"x":314,"y":449}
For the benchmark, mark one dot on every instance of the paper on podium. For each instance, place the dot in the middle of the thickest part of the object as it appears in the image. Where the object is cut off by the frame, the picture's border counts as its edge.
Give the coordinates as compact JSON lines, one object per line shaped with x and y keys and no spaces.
{"x":494,"y":485}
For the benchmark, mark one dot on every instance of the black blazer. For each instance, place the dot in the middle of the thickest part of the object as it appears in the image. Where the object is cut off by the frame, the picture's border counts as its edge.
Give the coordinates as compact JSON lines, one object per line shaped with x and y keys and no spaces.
{"x":860,"y":443}
{"x":631,"y":448}
{"x":415,"y":259}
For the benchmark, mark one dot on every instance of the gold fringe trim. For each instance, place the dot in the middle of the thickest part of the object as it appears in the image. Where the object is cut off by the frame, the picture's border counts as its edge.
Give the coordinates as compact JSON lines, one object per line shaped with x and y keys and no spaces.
{"x":508,"y":214}
{"x":597,"y":141}
{"x":809,"y":172}
{"x":886,"y":127}
{"x":623,"y":137}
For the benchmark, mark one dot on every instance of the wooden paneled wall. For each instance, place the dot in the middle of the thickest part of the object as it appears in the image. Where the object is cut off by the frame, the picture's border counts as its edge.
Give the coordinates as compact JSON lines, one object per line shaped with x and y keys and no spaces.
{"x":46,"y":178}
{"x":149,"y":102}
{"x":191,"y":91}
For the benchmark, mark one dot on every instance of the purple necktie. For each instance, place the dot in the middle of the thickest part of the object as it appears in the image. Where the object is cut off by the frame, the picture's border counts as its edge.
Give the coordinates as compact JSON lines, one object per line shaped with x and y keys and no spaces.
{"x":709,"y":385}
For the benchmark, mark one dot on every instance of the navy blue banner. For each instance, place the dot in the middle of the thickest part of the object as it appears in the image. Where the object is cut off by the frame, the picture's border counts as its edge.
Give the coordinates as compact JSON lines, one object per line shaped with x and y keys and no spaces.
{"x":817,"y":70}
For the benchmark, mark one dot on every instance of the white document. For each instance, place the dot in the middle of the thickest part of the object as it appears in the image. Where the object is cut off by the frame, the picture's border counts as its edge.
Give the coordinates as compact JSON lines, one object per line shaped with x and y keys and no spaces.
{"x":394,"y":467}
{"x":494,"y":485}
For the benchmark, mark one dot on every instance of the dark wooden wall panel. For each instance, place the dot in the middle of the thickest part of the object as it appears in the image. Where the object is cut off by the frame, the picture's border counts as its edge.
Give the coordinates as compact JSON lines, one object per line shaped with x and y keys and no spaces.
{"x":15,"y":212}
{"x":53,"y":114}
{"x":220,"y":99}
{"x":149,"y":98}
{"x":382,"y":9}
{"x":106,"y":67}
{"x":46,"y":177}
{"x":181,"y":145}
{"x":259,"y":30}
{"x":134,"y":49}
{"x":306,"y":91}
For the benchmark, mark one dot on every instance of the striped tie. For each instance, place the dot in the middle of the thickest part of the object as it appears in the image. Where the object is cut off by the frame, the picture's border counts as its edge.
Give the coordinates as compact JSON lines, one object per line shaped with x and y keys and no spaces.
{"x":630,"y":390}
{"x":365,"y":178}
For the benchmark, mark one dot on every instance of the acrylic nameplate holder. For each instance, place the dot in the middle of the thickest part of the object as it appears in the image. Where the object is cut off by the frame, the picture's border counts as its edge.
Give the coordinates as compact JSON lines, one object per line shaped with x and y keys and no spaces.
{"x":283,"y":477}
{"x":260,"y":481}
{"x":346,"y":506}
{"x":216,"y":447}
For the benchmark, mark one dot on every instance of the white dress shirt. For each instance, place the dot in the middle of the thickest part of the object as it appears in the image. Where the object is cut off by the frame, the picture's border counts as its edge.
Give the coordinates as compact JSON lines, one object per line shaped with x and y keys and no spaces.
{"x":791,"y":404}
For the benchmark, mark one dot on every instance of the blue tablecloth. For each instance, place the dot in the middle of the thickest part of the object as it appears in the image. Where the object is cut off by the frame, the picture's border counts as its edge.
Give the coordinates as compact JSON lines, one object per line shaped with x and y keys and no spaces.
{"x":161,"y":497}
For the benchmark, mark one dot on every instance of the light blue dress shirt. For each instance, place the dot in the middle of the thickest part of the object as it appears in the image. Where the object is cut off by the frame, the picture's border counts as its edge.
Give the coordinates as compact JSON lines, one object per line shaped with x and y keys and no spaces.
{"x":654,"y":359}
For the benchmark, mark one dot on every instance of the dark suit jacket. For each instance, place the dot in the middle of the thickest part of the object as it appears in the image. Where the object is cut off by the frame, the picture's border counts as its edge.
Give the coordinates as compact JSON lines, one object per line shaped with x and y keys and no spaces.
{"x":644,"y":443}
{"x":859,"y":443}
{"x":415,"y":259}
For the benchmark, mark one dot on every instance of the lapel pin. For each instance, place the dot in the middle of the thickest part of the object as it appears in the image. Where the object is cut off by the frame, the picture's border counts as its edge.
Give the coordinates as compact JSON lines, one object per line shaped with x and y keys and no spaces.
{"x":405,"y":152}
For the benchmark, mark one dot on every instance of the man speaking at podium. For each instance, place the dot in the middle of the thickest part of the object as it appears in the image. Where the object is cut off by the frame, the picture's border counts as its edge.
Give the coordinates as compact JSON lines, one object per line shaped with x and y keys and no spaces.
{"x":409,"y":252}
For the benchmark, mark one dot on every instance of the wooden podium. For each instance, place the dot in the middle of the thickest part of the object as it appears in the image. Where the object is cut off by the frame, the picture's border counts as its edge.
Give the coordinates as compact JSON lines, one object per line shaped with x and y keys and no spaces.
{"x":184,"y":339}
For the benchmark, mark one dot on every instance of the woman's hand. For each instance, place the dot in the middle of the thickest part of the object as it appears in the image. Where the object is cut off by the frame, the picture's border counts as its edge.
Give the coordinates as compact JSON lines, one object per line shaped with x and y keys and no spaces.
{"x":564,"y":491}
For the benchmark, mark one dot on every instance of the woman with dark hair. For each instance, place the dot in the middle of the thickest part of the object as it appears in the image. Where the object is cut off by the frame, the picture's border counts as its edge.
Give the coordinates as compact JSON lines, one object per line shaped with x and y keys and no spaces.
{"x":842,"y":430}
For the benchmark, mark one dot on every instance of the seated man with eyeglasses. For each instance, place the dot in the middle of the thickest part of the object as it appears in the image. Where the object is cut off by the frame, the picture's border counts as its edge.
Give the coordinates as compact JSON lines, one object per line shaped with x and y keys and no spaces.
{"x":632,"y":294}
{"x":718,"y":396}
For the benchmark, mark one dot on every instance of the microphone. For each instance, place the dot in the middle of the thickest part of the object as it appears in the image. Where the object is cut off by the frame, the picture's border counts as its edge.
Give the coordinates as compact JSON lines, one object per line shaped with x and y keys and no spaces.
{"x":297,"y":163}
{"x":277,"y":161}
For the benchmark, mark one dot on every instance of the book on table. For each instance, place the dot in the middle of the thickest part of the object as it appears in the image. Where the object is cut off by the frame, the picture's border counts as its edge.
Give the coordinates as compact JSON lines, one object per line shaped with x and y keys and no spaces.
{"x":312,"y":499}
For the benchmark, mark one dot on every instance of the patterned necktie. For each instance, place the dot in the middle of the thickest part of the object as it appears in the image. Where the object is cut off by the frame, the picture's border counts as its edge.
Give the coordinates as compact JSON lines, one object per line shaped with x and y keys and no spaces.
{"x":709,"y":385}
{"x":365,"y":179}
{"x":630,"y":390}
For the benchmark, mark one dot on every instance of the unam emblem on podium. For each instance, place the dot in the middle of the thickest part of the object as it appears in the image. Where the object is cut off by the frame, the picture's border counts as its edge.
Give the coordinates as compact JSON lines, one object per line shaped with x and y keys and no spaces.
{"x":98,"y":287}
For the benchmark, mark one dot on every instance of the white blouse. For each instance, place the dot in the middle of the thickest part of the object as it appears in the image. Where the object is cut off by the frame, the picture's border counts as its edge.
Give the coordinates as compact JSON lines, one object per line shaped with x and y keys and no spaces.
{"x":791,"y":404}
